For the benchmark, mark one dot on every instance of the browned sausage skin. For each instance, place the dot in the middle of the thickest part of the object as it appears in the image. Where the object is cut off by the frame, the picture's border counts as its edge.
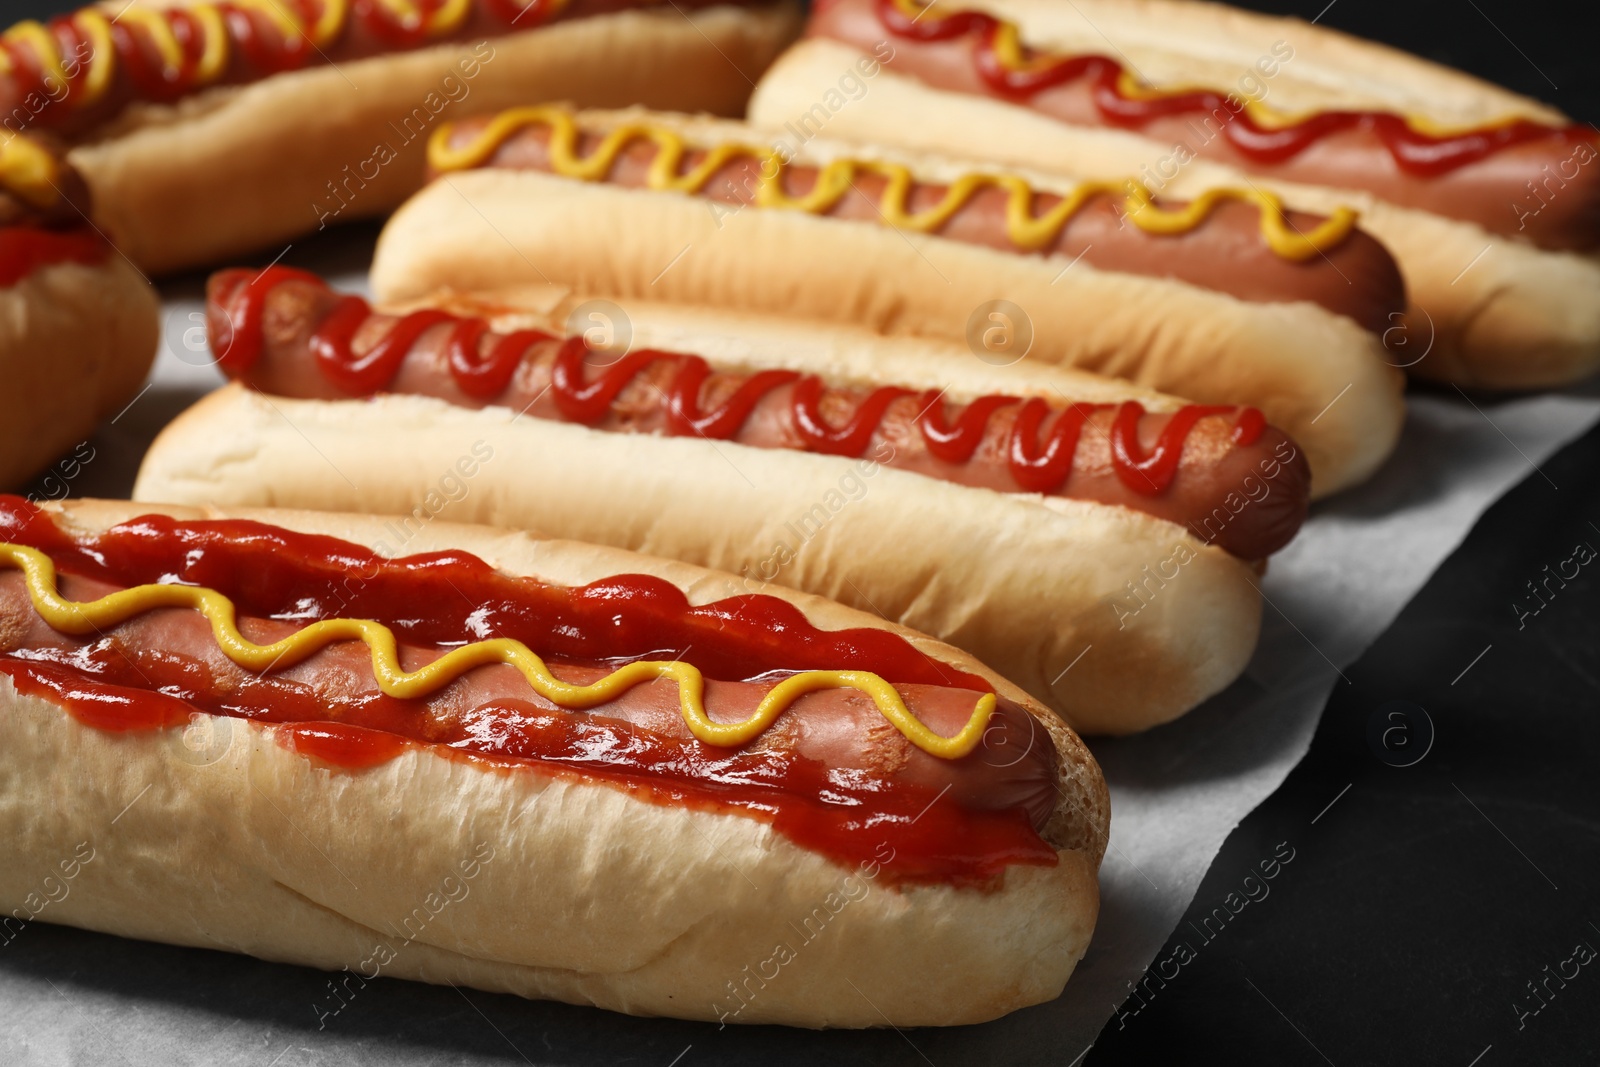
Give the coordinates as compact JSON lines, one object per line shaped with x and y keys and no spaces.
{"x":840,"y":728}
{"x":1542,"y":191}
{"x":52,"y":82}
{"x":292,"y":327}
{"x":1356,"y":278}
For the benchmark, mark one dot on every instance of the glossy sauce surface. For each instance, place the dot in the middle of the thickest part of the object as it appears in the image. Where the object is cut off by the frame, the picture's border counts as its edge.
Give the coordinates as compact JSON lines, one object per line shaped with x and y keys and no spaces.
{"x":1029,"y":219}
{"x":1516,"y":178}
{"x":83,"y":68}
{"x":1011,"y":69}
{"x":584,"y":397}
{"x":1235,"y":240}
{"x":155,"y":670}
{"x":286,"y":333}
{"x":25,"y":249}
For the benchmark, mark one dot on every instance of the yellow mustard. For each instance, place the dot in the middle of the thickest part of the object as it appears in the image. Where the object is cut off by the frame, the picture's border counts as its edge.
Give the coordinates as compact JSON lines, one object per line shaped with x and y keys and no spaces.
{"x":1025,"y":229}
{"x":82,"y":618}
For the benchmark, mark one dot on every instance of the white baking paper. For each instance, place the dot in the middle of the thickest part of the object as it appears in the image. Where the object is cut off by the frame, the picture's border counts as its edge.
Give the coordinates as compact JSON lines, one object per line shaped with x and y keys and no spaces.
{"x":1176,"y":792}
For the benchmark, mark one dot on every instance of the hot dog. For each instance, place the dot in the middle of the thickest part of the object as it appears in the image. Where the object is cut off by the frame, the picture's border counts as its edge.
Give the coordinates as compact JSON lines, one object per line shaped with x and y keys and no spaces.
{"x":78,"y":325}
{"x":209,"y":129}
{"x":1444,"y":168}
{"x":1178,"y":465}
{"x":832,"y":460}
{"x":1348,"y":273}
{"x":545,"y":743}
{"x":1149,"y":295}
{"x":1475,"y":173}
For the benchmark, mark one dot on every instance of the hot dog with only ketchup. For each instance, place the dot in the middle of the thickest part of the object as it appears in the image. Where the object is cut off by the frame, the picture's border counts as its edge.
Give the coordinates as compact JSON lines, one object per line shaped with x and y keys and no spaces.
{"x":1177,"y":465}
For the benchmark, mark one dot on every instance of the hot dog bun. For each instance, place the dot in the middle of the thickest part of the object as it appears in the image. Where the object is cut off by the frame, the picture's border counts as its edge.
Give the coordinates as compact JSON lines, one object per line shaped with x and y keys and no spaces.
{"x":239,"y":169}
{"x":76,"y":341}
{"x":1042,"y":579}
{"x":640,"y":907}
{"x":1315,"y":374}
{"x":1488,"y":310}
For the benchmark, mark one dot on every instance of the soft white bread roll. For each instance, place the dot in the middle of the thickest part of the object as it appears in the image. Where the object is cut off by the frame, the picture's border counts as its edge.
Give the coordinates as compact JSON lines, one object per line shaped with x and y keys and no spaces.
{"x":235,"y":170}
{"x":1317,"y":375}
{"x":75,"y":343}
{"x":441,"y":870}
{"x":1117,"y":619}
{"x":1485,"y":310}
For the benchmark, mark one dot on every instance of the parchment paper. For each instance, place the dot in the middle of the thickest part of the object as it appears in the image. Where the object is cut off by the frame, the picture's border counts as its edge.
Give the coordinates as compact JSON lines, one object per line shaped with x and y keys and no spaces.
{"x":68,"y":997}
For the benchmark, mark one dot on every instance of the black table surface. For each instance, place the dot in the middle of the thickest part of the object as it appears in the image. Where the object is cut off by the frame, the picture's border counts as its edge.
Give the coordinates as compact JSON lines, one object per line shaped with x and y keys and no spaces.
{"x":1433,"y":911}
{"x":1422,"y":888}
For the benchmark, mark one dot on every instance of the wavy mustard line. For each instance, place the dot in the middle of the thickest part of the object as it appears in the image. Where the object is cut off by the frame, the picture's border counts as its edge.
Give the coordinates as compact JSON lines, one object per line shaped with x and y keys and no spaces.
{"x":83,"y":618}
{"x":289,"y":19}
{"x":29,"y":172}
{"x":836,"y":179}
{"x":1007,"y":47}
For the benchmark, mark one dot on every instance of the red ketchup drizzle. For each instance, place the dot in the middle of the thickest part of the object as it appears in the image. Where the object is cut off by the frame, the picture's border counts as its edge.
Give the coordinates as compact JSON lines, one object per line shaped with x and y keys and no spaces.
{"x":589,"y":401}
{"x":447,"y":597}
{"x":485,"y":377}
{"x":236,"y":336}
{"x":957,"y":445}
{"x":264,"y":47}
{"x":1041,"y":470}
{"x":354,"y":748}
{"x":684,"y":416}
{"x":1152,"y":473}
{"x":330,"y":345}
{"x":24,"y":249}
{"x":851,"y":438}
{"x":274,"y":53}
{"x":1247,"y":431}
{"x":1414,"y":151}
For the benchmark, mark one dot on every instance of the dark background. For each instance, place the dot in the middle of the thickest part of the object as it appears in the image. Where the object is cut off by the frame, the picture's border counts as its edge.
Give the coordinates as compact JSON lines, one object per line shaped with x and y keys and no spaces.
{"x":1420,"y":905}
{"x":1544,"y":48}
{"x":1439,"y":869}
{"x":1421,"y":901}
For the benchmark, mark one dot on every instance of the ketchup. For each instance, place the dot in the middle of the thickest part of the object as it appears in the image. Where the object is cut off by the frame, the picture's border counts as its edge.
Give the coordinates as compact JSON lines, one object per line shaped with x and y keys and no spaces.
{"x":255,"y":44}
{"x":445,"y":598}
{"x":24,"y":249}
{"x":1415,"y":152}
{"x":271,"y":572}
{"x":237,"y":337}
